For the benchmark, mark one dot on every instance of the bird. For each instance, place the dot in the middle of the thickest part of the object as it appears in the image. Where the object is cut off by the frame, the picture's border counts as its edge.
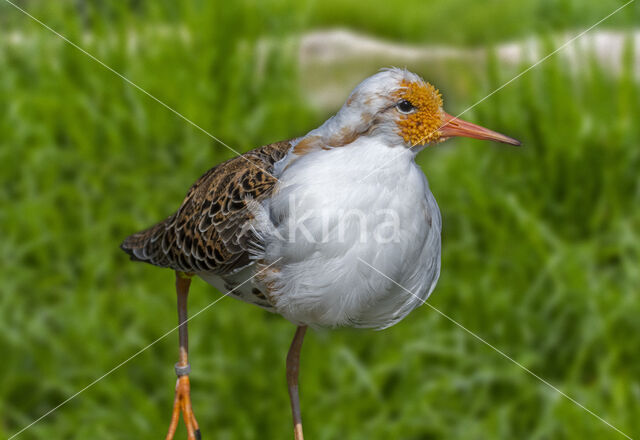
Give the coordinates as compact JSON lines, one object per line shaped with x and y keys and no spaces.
{"x":295,"y":227}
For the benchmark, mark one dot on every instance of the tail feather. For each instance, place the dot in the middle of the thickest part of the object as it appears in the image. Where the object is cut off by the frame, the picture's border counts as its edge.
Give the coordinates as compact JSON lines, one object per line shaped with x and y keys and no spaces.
{"x":146,"y":245}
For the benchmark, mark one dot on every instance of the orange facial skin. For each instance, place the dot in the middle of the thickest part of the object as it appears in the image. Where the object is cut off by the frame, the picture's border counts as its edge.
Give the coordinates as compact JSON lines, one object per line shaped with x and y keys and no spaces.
{"x":421,"y":126}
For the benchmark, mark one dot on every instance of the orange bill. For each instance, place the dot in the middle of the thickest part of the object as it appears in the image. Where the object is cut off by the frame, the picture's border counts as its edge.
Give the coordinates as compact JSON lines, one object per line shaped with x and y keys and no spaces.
{"x":457,"y":127}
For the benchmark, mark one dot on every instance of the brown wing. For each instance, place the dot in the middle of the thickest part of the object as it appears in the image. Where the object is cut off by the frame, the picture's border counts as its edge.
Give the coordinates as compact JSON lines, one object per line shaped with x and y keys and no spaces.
{"x":207,"y":233}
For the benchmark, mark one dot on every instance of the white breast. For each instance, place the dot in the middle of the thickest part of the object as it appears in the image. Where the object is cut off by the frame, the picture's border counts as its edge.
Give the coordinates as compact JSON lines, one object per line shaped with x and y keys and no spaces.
{"x":334,"y":208}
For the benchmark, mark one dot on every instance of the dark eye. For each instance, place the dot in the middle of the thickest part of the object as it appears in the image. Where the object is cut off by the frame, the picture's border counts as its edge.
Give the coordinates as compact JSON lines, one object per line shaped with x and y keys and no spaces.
{"x":405,"y":106}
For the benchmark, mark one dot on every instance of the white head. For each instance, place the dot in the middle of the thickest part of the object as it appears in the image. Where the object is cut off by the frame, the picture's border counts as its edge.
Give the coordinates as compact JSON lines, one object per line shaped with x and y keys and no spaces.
{"x":399,"y":106}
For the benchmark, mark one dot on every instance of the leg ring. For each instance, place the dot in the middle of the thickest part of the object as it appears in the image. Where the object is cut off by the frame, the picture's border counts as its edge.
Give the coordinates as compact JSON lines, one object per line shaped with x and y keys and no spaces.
{"x":182,"y":370}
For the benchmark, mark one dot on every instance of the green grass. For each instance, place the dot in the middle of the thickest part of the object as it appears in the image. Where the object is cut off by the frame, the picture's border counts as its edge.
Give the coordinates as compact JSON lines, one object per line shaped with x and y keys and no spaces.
{"x":466,"y":22}
{"x":541,"y":244}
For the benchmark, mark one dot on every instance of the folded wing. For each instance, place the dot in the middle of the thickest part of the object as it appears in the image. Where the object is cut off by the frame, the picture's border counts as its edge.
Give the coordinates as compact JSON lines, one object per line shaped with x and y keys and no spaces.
{"x":208,"y":232}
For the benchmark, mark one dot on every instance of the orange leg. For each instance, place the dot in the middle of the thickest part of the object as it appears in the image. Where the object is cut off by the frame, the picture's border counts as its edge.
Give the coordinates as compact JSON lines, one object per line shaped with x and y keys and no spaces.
{"x":182,"y":401}
{"x":293,"y":367}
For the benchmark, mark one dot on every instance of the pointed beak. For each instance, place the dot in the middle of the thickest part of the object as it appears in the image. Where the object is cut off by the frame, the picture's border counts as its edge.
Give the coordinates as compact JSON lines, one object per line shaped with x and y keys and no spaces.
{"x":453,"y":126}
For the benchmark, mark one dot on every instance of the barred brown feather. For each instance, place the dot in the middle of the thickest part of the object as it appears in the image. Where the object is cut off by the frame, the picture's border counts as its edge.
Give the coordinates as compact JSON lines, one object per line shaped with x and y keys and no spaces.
{"x":208,"y":231}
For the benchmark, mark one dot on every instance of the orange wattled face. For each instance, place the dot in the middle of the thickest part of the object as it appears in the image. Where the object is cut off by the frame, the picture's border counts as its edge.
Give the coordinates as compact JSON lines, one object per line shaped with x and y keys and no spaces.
{"x":423,"y":121}
{"x":421,"y":114}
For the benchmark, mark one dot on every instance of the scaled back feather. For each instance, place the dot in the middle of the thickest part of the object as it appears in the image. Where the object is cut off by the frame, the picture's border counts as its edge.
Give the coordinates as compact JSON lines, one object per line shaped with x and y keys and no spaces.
{"x":208,"y":232}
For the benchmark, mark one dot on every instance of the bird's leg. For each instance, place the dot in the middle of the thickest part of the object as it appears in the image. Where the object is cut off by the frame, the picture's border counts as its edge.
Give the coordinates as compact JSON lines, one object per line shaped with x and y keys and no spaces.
{"x":293,"y":367}
{"x":182,"y":401}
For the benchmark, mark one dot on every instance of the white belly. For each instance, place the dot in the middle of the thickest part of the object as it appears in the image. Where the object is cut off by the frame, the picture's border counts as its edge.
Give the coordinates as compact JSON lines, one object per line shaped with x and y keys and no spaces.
{"x":335,"y":210}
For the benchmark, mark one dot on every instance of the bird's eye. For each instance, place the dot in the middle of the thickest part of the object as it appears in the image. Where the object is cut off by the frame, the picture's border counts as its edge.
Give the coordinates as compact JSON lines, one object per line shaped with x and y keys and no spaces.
{"x":405,"y":107}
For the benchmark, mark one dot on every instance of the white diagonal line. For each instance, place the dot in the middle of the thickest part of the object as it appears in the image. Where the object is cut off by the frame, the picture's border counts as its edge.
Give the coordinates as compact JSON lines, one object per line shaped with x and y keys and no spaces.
{"x":138,"y":352}
{"x":502,"y":353}
{"x":128,"y":81}
{"x":546,"y":57}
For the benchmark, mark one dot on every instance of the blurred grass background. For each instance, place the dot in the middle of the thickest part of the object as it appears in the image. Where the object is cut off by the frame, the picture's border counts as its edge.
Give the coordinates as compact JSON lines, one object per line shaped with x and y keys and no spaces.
{"x":541,"y":244}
